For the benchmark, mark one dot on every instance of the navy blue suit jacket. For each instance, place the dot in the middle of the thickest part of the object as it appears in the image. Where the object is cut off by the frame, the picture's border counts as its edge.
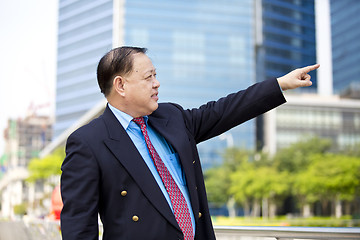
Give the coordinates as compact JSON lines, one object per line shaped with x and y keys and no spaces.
{"x":104,"y":173}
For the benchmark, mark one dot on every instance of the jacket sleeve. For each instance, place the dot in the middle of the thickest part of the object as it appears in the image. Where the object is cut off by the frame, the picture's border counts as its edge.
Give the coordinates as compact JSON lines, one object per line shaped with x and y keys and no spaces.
{"x":79,"y":190}
{"x":216,"y":117}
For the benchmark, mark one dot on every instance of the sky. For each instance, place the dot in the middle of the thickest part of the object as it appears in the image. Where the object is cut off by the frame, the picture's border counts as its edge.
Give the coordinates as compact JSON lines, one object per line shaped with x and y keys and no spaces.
{"x":28,"y":35}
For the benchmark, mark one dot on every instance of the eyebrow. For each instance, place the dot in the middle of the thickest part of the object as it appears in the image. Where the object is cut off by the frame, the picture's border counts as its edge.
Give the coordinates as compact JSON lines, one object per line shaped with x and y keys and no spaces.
{"x":150,"y":71}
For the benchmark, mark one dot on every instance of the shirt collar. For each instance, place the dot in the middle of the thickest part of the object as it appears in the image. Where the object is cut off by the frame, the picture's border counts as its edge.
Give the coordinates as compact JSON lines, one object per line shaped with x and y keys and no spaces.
{"x":124,"y":118}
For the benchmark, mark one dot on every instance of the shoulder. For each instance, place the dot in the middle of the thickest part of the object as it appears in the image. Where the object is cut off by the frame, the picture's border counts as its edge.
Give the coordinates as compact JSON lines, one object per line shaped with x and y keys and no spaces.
{"x":168,"y":108}
{"x":90,"y":131}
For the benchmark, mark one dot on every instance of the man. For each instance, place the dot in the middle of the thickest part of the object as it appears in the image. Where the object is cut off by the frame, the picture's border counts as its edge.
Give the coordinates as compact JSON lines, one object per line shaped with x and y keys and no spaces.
{"x":137,"y":165}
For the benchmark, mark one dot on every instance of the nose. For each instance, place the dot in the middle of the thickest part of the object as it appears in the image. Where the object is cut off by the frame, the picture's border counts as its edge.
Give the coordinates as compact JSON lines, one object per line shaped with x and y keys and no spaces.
{"x":156,"y":83}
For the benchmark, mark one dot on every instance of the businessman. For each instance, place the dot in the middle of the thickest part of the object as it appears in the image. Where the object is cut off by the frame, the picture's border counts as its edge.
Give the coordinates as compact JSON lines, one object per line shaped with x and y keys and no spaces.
{"x":137,"y":165}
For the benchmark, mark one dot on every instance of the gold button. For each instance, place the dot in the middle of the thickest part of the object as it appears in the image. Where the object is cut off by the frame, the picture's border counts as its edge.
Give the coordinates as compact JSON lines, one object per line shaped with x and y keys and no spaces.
{"x":193,"y":162}
{"x":135,"y":218}
{"x":200,"y":214}
{"x":123,"y":193}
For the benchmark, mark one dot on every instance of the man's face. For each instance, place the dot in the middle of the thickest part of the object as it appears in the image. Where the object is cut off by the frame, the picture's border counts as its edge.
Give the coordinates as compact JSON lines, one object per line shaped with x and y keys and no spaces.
{"x":141,"y":87}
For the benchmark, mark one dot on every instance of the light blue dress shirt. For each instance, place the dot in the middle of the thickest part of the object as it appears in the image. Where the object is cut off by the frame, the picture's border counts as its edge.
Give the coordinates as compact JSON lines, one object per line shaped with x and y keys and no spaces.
{"x":165,"y":151}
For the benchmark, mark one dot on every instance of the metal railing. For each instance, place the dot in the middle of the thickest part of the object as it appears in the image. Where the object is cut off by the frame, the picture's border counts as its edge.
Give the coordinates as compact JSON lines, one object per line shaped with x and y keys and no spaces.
{"x":45,"y":229}
{"x":286,"y":233}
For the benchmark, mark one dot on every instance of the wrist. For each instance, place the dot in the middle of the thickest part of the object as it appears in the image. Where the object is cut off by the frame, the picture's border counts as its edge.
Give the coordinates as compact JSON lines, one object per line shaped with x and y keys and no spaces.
{"x":282,"y":83}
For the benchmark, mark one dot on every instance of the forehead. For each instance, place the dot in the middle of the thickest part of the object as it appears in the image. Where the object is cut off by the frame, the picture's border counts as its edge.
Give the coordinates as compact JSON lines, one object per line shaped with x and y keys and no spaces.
{"x":142,"y":63}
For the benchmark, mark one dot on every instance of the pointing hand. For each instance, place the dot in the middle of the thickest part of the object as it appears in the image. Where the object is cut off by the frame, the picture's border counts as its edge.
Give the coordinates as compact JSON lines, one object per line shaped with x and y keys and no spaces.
{"x":297,"y":78}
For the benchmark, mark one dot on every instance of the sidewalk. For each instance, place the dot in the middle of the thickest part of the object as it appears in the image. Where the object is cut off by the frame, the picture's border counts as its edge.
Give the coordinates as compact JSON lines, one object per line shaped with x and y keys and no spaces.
{"x":13,"y":231}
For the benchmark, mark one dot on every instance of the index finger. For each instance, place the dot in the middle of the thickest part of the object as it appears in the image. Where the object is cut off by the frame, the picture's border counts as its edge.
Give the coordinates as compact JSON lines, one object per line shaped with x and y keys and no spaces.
{"x":311,"y":68}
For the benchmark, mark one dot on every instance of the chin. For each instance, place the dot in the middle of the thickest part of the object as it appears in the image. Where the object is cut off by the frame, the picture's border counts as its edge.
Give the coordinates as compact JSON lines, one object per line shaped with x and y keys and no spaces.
{"x":150,"y":110}
{"x":154,"y":107}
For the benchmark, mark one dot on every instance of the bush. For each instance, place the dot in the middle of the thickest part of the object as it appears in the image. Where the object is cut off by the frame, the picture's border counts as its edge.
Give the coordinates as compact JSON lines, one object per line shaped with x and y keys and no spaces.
{"x":20,"y":209}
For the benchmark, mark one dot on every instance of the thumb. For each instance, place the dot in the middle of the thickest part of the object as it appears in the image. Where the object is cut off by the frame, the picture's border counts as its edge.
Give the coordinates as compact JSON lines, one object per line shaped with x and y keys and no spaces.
{"x":305,"y":82}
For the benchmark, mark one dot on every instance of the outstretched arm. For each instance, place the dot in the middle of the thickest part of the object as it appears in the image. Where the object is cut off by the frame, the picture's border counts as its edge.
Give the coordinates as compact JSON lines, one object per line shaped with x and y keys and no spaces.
{"x":297,"y":78}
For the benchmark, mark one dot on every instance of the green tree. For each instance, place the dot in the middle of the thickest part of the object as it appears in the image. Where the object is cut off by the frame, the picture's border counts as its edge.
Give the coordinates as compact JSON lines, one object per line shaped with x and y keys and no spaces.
{"x":42,"y":169}
{"x":296,"y":157}
{"x":236,"y":157}
{"x":20,"y":209}
{"x":263,"y":185}
{"x":217,"y":179}
{"x":295,"y":160}
{"x":305,"y":170}
{"x":353,"y":150}
{"x":305,"y":189}
{"x":328,"y":178}
{"x":240,"y":187}
{"x":336,"y":178}
{"x":217,"y":183}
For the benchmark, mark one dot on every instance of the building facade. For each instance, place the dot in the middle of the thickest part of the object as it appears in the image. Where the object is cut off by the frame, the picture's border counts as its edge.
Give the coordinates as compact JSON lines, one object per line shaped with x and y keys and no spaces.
{"x":333,"y":118}
{"x":202,"y":50}
{"x":85,"y":32}
{"x":285,"y":39}
{"x":24,"y":139}
{"x":345,"y":21}
{"x":288,"y":38}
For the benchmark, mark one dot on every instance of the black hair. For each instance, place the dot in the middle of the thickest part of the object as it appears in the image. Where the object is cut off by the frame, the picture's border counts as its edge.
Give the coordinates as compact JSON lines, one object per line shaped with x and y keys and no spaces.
{"x":118,"y":61}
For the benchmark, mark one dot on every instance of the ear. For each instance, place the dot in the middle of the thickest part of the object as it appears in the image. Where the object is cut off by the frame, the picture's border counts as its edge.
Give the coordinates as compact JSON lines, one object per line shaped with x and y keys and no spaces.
{"x":118,"y":85}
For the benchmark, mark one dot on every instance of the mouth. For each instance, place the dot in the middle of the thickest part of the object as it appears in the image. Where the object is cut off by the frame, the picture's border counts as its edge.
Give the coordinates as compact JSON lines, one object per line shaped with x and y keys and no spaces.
{"x":155,"y":96}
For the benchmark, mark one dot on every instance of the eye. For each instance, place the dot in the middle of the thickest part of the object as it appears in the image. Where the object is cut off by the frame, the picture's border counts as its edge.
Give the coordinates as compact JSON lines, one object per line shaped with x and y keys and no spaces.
{"x":150,"y":77}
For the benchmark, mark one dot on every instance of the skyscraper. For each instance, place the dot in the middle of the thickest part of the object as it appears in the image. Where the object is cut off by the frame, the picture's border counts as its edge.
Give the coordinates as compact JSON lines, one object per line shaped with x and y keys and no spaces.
{"x":345,"y":21}
{"x":85,"y":32}
{"x":288,"y":38}
{"x":285,"y":40}
{"x":202,"y":50}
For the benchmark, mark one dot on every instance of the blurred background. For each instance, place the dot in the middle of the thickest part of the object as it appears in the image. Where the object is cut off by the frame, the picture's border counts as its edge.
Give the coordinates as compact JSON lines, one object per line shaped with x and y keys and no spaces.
{"x":296,"y":165}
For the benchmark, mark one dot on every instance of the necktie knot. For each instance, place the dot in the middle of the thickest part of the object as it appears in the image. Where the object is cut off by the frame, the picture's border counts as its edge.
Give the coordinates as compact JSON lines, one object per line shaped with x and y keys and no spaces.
{"x":140,"y":121}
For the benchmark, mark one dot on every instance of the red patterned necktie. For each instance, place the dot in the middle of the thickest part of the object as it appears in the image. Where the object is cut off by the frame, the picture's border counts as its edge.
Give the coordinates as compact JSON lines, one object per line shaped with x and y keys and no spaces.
{"x":181,"y":210}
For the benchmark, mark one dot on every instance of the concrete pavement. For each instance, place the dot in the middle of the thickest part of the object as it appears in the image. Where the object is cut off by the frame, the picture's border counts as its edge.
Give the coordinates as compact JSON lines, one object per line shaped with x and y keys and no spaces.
{"x":14,"y":231}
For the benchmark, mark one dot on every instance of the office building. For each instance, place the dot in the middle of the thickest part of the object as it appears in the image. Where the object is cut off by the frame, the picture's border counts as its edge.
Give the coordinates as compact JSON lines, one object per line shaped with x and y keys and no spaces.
{"x":202,"y":50}
{"x":24,"y":139}
{"x":307,"y":115}
{"x":285,"y":40}
{"x":345,"y":21}
{"x":288,"y":38}
{"x":85,"y":32}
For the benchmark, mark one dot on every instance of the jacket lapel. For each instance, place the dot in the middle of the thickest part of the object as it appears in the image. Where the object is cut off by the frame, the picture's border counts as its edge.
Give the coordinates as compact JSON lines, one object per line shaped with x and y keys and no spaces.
{"x":179,"y":140}
{"x":120,"y":144}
